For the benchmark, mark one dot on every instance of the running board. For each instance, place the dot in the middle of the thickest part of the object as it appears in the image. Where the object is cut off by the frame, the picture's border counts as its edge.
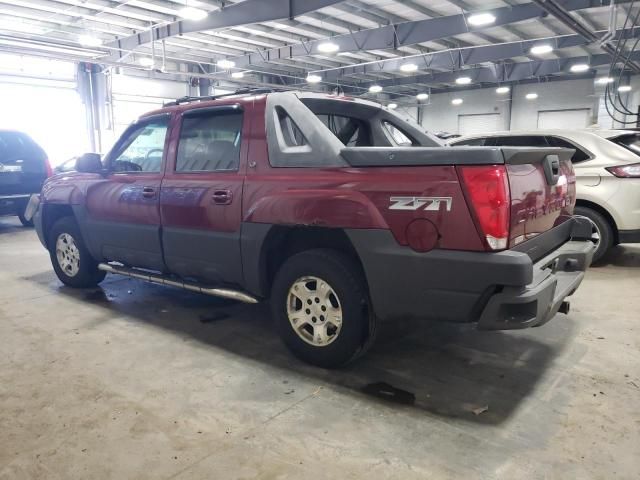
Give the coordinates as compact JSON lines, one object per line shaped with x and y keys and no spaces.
{"x":161,"y":280}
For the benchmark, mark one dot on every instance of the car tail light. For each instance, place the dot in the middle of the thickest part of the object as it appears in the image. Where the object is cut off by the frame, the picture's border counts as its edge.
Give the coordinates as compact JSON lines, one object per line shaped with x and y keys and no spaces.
{"x":48,"y":168}
{"x":487,"y":188}
{"x":626,"y":171}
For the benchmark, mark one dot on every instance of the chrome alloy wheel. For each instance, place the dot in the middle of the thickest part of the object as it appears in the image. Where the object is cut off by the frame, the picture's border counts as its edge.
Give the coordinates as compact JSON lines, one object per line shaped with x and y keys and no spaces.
{"x":68,"y":254}
{"x":314,"y":311}
{"x":595,"y":234}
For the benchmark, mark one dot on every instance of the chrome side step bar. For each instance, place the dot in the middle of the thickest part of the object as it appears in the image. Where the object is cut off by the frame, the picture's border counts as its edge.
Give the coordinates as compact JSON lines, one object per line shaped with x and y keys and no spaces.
{"x":160,"y":280}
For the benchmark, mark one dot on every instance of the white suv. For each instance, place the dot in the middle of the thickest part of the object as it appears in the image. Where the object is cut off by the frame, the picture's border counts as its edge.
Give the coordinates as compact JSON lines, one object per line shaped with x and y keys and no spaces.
{"x":607,"y":166}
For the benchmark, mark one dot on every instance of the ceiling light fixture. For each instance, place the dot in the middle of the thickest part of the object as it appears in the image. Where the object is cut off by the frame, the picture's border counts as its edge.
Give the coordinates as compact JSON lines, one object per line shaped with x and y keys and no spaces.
{"x":375,"y":88}
{"x":392,"y":106}
{"x":409,"y":67}
{"x":624,"y":88}
{"x":579,"y":67}
{"x":456,"y":101}
{"x":89,"y":41}
{"x":541,"y":49}
{"x":146,"y":61}
{"x":312,"y":78}
{"x":604,"y":80}
{"x":422,"y":96}
{"x":481,"y":19}
{"x":192,"y":13}
{"x":226,"y":64}
{"x":502,"y":90}
{"x":463,"y":80}
{"x":237,"y":74}
{"x":531,"y":96}
{"x":328,"y":47}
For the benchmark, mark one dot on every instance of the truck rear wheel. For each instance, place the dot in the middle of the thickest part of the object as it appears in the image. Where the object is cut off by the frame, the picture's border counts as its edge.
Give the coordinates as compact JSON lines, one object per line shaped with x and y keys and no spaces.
{"x":71,"y":260}
{"x":320,"y":304}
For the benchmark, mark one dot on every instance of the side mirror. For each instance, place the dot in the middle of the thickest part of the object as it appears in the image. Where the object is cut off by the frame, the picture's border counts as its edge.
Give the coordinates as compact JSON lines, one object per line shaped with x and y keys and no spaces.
{"x":89,"y":163}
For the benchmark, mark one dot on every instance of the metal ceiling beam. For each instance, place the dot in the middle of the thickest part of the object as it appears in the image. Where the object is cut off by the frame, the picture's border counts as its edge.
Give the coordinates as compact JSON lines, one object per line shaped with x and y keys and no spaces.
{"x":503,"y":73}
{"x":242,"y":13}
{"x":457,"y":59}
{"x":413,"y":32}
{"x":554,"y":8}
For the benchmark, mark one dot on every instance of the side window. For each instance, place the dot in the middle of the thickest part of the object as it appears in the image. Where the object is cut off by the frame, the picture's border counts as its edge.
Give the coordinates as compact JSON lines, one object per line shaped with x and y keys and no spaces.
{"x":579,"y":156}
{"x":291,"y":134}
{"x":472,"y":142}
{"x":209,"y":141}
{"x":142,"y":147}
{"x":521,"y":141}
{"x":399,"y":137}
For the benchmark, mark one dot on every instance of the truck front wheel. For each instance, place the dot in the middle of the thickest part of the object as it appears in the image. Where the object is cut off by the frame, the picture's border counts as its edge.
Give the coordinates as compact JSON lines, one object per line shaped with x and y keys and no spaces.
{"x":71,"y":260}
{"x":320,"y":304}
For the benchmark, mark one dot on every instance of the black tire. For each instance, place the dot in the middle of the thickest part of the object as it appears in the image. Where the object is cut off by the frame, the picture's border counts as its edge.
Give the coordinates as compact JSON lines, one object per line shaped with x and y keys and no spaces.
{"x":344,"y":277}
{"x":87,"y":274}
{"x":24,"y":221}
{"x":604,"y":228}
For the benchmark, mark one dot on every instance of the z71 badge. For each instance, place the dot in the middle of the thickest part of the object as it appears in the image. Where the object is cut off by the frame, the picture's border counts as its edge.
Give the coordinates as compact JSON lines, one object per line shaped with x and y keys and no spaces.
{"x":431,"y":204}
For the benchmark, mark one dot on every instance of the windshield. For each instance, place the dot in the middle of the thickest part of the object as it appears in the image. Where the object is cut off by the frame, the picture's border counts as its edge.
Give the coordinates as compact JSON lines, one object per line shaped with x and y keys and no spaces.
{"x":630,"y":141}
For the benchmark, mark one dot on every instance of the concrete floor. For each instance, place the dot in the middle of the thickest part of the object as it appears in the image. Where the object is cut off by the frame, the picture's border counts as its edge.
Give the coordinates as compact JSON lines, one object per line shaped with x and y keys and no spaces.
{"x":134,"y":381}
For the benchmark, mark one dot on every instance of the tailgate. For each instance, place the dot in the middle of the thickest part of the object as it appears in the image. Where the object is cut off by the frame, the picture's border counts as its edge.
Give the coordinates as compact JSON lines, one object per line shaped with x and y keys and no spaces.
{"x":543,"y":190}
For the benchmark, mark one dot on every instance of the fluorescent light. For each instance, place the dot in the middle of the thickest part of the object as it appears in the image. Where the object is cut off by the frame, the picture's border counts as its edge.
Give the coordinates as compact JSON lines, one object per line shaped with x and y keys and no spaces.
{"x":89,"y":41}
{"x":237,"y":74}
{"x":456,"y":101}
{"x":409,"y":67}
{"x":624,"y":88}
{"x":531,"y":96}
{"x":192,"y":13}
{"x":604,"y":80}
{"x":375,"y":88}
{"x":422,"y":96}
{"x":328,"y":47}
{"x":502,"y":90}
{"x":146,"y":61}
{"x":226,"y":64}
{"x":463,"y":80}
{"x":311,"y":78}
{"x":579,"y":67}
{"x":392,"y":106}
{"x":541,"y":49}
{"x":480,"y":19}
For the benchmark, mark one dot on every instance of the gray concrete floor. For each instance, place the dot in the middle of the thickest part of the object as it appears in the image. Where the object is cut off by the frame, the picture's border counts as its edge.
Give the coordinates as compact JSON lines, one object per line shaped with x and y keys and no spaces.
{"x":135,"y":381}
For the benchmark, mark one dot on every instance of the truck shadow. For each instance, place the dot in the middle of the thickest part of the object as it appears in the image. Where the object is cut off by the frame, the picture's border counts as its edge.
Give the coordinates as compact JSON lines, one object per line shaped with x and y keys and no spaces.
{"x":446,"y":370}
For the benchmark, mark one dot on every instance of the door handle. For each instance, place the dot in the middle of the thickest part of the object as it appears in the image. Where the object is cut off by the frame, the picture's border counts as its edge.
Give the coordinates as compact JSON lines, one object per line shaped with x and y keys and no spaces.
{"x":148,"y":192}
{"x":222,"y":197}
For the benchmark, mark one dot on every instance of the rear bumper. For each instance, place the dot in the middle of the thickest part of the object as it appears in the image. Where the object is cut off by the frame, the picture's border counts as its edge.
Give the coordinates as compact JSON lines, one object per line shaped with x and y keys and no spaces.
{"x":629,"y":236}
{"x":503,"y":290}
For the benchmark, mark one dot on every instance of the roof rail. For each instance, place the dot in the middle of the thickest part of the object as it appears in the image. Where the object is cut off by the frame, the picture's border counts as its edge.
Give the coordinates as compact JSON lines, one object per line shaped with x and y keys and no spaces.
{"x":239,"y":91}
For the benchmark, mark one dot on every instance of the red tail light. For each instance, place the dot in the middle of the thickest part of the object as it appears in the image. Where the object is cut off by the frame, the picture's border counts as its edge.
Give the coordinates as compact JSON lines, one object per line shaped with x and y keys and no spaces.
{"x":48,"y":168}
{"x":626,"y":171}
{"x":487,"y":189}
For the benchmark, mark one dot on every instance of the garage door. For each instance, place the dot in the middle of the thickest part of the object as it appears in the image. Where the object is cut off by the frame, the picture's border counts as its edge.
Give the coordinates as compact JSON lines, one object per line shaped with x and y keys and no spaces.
{"x":479,"y":123}
{"x":551,"y":119}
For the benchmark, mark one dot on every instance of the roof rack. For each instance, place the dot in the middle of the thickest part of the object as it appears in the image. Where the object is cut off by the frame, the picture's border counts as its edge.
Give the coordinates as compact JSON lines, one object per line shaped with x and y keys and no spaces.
{"x":239,"y":91}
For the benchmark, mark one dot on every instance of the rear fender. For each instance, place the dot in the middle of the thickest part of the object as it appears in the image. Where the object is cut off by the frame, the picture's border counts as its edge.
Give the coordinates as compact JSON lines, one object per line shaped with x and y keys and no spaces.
{"x":322,"y":207}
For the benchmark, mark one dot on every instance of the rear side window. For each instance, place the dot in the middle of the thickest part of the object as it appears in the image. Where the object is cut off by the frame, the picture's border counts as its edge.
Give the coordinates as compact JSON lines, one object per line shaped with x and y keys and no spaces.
{"x":399,"y":137}
{"x":19,"y":153}
{"x":210,"y":141}
{"x":291,"y":133}
{"x":630,"y":141}
{"x":521,"y":141}
{"x":579,"y":156}
{"x":351,"y":131}
{"x":472,"y":142}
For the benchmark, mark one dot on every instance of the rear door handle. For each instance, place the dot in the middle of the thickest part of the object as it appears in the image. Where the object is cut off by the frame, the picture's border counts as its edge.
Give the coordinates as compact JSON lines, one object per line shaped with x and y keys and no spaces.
{"x":148,"y":192}
{"x":222,"y":197}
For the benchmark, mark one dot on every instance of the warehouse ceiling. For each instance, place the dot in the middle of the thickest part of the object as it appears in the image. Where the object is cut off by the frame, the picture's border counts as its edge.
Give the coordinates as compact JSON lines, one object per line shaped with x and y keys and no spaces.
{"x":404,"y":47}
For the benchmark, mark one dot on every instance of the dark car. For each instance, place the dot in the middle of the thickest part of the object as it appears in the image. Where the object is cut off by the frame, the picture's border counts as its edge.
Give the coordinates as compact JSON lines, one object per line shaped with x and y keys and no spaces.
{"x":23,"y":169}
{"x":317,"y":203}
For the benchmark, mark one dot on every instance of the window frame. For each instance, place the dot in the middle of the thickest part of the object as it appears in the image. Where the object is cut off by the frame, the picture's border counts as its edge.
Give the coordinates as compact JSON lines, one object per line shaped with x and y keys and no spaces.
{"x":590,"y":156}
{"x":116,"y":149}
{"x":236,"y":107}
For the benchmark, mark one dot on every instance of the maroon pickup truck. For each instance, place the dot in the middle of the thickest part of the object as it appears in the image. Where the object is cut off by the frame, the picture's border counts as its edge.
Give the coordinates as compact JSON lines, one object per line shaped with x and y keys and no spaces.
{"x":339,"y":211}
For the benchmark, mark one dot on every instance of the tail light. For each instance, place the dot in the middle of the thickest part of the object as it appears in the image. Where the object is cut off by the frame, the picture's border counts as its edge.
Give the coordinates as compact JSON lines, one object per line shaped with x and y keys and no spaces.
{"x":626,"y":171}
{"x":487,"y":189}
{"x":47,"y":167}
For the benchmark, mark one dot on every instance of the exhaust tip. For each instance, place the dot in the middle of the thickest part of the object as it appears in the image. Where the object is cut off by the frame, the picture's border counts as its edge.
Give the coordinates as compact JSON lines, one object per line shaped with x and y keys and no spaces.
{"x":565,"y":307}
